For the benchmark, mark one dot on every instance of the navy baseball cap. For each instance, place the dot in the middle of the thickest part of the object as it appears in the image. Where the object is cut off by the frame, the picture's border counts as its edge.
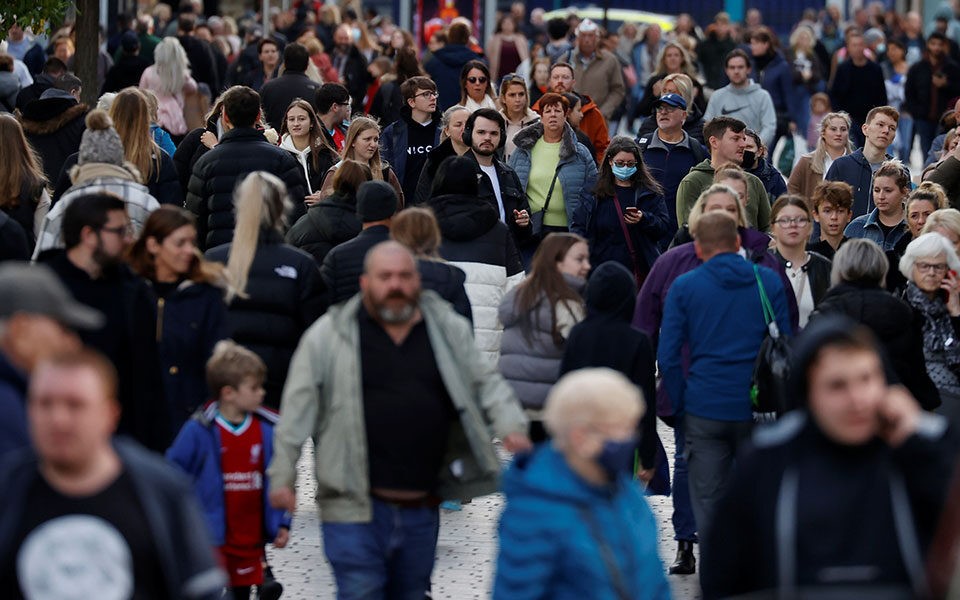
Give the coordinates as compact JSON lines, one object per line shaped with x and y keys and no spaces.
{"x":675,"y":100}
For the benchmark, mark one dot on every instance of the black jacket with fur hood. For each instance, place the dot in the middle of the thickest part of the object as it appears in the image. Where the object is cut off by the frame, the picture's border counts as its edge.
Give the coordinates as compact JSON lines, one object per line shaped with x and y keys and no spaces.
{"x":54,"y":126}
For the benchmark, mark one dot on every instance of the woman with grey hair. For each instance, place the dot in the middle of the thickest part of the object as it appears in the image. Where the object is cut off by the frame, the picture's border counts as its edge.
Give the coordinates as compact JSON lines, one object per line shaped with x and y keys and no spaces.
{"x":857,"y":277}
{"x":930,"y":265}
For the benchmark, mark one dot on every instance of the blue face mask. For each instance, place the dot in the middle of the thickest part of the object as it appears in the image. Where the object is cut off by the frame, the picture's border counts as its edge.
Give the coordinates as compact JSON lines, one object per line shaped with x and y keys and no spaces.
{"x":345,"y":123}
{"x":624,"y":173}
{"x":617,"y":457}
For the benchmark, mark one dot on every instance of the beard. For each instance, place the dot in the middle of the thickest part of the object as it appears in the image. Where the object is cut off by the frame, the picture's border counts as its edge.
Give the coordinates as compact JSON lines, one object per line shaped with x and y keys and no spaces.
{"x":490,"y":152}
{"x":103,"y":259}
{"x":396,"y":316}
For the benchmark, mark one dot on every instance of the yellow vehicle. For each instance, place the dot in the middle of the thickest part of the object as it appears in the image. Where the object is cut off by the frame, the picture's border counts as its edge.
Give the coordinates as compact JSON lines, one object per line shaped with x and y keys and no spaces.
{"x":616,"y":16}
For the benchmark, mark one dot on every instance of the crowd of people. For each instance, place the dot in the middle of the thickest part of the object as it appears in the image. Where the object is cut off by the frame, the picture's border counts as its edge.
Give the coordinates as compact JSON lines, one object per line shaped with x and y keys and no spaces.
{"x":540,"y":243}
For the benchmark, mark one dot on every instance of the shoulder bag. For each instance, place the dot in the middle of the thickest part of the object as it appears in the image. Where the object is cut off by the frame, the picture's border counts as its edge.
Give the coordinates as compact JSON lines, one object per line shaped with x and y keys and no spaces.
{"x":768,"y":390}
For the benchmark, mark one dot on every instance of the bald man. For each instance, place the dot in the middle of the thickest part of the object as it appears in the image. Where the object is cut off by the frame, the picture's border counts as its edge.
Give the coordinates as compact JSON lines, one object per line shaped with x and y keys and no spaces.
{"x":393,"y":390}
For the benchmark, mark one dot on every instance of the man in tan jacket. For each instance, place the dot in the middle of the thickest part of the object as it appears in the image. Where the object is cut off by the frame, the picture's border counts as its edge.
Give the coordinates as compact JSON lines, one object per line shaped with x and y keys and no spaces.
{"x":596,"y":71}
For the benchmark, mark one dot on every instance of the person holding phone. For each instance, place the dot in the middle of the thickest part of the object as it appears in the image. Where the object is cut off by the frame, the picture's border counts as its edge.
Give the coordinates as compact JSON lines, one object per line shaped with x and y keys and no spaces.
{"x":630,"y":216}
{"x":930,"y":265}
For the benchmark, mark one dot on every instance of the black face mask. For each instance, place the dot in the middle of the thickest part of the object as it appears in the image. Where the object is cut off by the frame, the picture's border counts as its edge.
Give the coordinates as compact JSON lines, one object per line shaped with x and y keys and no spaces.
{"x":749,"y":160}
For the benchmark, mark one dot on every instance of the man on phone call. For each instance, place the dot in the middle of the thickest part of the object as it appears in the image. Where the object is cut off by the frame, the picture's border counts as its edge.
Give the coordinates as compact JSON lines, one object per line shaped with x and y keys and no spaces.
{"x":931,"y":83}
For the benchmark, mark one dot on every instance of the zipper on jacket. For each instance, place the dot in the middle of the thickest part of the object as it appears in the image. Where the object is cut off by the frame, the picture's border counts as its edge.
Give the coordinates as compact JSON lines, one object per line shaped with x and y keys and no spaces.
{"x":160,"y":303}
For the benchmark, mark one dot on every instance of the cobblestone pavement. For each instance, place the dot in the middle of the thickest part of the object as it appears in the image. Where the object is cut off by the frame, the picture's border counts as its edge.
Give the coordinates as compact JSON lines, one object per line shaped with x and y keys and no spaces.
{"x":466,"y":552}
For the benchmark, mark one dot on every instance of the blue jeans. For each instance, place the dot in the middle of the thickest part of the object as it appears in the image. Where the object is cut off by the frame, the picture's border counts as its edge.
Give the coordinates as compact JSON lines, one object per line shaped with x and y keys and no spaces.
{"x":684,"y":524}
{"x":389,"y":558}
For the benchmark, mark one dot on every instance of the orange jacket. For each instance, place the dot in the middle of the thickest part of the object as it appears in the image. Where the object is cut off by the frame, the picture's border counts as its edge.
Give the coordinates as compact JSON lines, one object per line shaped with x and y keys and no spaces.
{"x":593,"y":125}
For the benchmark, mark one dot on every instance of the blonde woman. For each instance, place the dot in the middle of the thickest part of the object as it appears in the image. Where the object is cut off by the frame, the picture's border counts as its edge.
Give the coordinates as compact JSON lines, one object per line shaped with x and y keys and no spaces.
{"x":23,"y":192}
{"x":674,"y":58}
{"x":276,"y":292}
{"x":682,"y":85}
{"x":834,"y":142}
{"x":362,"y":144}
{"x":169,"y":78}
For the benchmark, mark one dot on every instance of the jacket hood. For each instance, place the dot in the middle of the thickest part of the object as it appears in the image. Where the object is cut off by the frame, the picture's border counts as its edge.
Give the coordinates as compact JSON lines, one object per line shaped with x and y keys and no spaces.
{"x":545,"y":473}
{"x":455,"y":55}
{"x":744,"y":91}
{"x":527,"y":137}
{"x":463,"y":218}
{"x":286,"y":142}
{"x":611,"y":291}
{"x":704,"y":167}
{"x":42,"y":117}
{"x":754,"y":242}
{"x":730,"y":271}
{"x":335,"y":219}
{"x":764,"y":170}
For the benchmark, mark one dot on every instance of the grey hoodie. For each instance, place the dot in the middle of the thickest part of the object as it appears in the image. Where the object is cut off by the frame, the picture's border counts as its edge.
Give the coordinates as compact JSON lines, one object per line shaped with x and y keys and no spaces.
{"x":750,"y":104}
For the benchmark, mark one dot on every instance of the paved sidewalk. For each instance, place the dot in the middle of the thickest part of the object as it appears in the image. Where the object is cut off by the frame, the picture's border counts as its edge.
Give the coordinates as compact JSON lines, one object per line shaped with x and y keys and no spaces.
{"x":466,"y":552}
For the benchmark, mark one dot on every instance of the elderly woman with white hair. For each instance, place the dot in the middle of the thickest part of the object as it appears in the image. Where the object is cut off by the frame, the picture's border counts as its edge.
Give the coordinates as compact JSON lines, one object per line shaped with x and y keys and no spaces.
{"x":575,"y":524}
{"x":930,"y":265}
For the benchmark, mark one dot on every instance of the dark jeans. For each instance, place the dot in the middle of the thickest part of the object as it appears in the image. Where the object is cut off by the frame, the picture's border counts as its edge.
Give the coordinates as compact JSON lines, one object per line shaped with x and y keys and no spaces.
{"x":927,"y":130}
{"x":684,"y":524}
{"x":389,"y":558}
{"x":711,"y":447}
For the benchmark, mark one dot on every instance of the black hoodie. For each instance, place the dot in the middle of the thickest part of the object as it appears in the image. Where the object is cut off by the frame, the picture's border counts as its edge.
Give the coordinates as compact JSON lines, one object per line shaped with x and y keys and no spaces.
{"x":606,"y":339}
{"x":472,"y":232}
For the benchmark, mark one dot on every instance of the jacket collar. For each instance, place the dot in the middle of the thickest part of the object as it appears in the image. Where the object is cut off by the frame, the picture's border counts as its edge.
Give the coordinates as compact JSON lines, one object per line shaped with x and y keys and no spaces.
{"x":243,"y":134}
{"x":656,"y":142}
{"x":527,"y":137}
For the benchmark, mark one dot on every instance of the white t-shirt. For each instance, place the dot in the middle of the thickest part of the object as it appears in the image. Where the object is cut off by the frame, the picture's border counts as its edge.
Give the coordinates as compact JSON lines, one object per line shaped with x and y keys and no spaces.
{"x":491,"y":172}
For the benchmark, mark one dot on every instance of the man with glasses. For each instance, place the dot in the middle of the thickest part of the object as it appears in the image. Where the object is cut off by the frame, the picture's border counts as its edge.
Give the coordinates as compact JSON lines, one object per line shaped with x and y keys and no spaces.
{"x":593,"y":123}
{"x":96,"y":232}
{"x":332,"y":103}
{"x":725,"y":140}
{"x":404,"y":144}
{"x":669,"y":152}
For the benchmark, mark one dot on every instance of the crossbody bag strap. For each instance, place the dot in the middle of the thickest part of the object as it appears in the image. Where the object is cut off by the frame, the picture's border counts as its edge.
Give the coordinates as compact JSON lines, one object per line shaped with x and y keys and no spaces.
{"x":553,"y":182}
{"x":606,"y":554}
{"x":626,"y":234}
{"x":769,"y":316}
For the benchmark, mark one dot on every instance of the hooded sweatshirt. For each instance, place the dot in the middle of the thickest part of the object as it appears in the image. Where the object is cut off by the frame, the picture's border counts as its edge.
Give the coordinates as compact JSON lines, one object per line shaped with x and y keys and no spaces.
{"x":700,"y":178}
{"x":551,"y":531}
{"x":751,"y":104}
{"x":444,"y":68}
{"x":716,"y":310}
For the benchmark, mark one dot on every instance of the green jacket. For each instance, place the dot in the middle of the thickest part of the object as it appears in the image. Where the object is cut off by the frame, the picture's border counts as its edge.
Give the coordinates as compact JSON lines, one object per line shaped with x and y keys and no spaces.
{"x":323,"y":399}
{"x":700,"y":178}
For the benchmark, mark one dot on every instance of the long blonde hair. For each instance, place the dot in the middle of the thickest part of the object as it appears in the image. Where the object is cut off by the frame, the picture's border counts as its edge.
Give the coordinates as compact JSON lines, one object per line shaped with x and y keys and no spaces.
{"x":686,"y":66}
{"x":260,"y":202}
{"x":170,"y":61}
{"x":357,"y":126}
{"x":130,"y":112}
{"x":818,"y":157}
{"x":21,"y":165}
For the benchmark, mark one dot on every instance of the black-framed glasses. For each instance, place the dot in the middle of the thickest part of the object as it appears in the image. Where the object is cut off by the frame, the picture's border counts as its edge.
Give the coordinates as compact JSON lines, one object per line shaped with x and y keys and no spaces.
{"x":938,"y":268}
{"x":428,"y":94}
{"x":121,"y":230}
{"x":624,"y":165}
{"x":476,"y":79}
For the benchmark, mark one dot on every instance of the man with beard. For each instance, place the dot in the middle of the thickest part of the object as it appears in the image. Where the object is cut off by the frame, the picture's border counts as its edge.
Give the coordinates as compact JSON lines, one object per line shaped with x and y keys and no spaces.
{"x":499,"y":184}
{"x":393,"y":389}
{"x":351,"y":65}
{"x":96,"y":232}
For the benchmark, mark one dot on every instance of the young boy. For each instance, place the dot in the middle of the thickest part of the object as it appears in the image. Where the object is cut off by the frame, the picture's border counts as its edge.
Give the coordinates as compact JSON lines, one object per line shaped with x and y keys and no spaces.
{"x":832,"y":210}
{"x":226,"y":447}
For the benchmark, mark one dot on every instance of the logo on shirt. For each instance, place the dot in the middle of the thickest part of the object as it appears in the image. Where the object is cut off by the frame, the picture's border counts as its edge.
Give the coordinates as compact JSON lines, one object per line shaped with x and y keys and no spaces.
{"x":255,"y":454}
{"x":725,"y":111}
{"x":413,"y":150}
{"x":286,"y":271}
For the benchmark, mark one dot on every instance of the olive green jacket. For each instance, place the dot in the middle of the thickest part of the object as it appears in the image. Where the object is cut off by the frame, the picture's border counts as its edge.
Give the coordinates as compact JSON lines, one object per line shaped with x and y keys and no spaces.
{"x":700,"y":178}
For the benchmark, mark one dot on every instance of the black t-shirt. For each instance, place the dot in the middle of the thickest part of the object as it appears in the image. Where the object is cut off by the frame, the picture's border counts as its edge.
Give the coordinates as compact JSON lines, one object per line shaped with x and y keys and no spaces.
{"x":406,"y":408}
{"x":420,"y":140}
{"x":97,"y":546}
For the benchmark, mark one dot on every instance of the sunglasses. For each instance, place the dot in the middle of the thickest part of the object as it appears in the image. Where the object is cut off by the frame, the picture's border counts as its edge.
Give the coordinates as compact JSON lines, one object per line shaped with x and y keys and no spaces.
{"x":477,"y":79}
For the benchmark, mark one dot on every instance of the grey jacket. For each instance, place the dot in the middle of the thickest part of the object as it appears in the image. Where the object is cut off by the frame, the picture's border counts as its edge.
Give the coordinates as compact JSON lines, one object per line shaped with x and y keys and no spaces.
{"x":530,"y":360}
{"x":751,"y":104}
{"x":323,"y":399}
{"x":577,"y":177}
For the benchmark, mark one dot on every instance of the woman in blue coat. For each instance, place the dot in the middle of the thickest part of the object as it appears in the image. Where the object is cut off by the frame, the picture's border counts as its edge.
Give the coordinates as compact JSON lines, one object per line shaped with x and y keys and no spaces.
{"x":576,"y":524}
{"x":191,"y":312}
{"x":630,"y":215}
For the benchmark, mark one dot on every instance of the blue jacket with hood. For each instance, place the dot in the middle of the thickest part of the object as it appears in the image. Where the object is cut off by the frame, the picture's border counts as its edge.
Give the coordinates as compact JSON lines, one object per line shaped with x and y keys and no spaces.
{"x":855,"y":170}
{"x":197,"y":452}
{"x":548,"y":548}
{"x":715,"y":309}
{"x":444,"y":68}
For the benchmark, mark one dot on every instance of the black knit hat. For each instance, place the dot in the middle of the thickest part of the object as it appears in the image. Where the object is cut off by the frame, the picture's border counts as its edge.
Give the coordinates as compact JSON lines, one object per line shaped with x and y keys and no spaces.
{"x":376,"y":201}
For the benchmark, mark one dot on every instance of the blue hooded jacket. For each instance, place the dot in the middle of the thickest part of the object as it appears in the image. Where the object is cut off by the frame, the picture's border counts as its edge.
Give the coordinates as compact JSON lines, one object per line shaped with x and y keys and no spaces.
{"x":548,"y":549}
{"x":197,"y":452}
{"x":444,"y":68}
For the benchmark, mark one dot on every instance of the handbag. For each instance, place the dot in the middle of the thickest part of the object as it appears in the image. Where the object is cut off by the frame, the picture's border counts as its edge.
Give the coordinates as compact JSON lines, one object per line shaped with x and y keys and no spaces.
{"x":768,"y":390}
{"x":637,"y":276}
{"x":536,"y":218}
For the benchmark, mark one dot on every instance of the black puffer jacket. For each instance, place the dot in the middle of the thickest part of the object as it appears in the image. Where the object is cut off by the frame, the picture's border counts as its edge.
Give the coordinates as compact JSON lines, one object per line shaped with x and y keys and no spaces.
{"x":343,"y":265}
{"x":325,"y":226}
{"x":54,"y":127}
{"x":284,"y":297}
{"x":189,"y":152}
{"x":472,"y":232}
{"x":896,"y":326}
{"x":446,"y":280}
{"x":436,"y":156}
{"x":216,"y":174}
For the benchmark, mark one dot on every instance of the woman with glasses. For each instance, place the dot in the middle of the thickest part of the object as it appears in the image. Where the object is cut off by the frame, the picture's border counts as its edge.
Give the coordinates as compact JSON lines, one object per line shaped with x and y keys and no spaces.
{"x":931,"y":264}
{"x":886,"y":223}
{"x":476,"y":87}
{"x":515,"y":108}
{"x":630,"y":215}
{"x":923,"y":202}
{"x":808,"y":272}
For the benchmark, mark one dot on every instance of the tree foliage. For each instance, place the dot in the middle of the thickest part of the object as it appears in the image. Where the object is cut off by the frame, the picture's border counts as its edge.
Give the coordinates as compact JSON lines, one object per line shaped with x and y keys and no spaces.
{"x":31,"y":13}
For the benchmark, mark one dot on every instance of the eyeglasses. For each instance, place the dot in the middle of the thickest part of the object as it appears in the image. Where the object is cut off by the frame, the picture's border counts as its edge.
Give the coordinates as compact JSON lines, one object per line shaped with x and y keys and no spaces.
{"x":476,"y":79}
{"x":122,"y":230}
{"x":925,"y":267}
{"x":430,"y":95}
{"x":624,"y":165}
{"x":792,"y":221}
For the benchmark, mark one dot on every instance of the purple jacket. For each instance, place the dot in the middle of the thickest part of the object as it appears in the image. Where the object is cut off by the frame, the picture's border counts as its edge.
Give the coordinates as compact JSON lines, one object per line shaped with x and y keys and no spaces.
{"x":682,"y":259}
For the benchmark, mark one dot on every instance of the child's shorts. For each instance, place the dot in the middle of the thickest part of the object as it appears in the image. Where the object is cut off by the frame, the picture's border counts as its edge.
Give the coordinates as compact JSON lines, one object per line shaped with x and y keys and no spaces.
{"x":244,"y":567}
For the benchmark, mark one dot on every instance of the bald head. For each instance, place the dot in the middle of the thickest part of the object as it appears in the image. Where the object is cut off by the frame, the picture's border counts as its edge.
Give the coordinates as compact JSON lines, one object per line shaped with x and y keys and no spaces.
{"x":716,"y":234}
{"x":388,"y":252}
